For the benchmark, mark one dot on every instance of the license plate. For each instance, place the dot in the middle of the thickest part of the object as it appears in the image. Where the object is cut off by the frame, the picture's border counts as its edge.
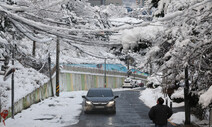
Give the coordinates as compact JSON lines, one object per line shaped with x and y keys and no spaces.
{"x":99,"y":106}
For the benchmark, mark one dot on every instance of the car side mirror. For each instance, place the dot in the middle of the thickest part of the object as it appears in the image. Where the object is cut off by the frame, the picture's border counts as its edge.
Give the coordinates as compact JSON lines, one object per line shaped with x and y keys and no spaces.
{"x":83,"y":96}
{"x":116,"y":96}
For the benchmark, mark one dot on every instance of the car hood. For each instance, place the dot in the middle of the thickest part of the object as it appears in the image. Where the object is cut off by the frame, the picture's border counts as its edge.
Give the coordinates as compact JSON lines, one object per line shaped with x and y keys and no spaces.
{"x":99,"y":99}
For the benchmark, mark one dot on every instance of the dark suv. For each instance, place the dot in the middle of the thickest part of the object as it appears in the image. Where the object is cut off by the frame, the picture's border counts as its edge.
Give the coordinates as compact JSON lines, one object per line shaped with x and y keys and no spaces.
{"x":100,"y":99}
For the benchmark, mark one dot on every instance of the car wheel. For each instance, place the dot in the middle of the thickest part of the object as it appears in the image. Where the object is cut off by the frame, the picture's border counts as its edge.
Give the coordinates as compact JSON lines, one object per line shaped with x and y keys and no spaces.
{"x":86,"y":112}
{"x":113,"y":112}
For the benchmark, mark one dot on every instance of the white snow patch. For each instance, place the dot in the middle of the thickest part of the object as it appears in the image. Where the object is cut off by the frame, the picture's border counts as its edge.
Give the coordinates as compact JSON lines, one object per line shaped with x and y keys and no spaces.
{"x":206,"y":98}
{"x":179,"y":118}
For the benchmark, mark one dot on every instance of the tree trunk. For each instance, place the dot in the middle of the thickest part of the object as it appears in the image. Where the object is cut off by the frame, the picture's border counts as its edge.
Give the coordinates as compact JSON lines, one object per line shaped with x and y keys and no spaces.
{"x":186,"y":96}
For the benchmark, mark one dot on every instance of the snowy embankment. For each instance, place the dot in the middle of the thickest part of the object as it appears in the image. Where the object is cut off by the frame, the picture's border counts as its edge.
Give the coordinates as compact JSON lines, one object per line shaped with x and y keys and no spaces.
{"x":149,"y":97}
{"x":26,"y":80}
{"x":52,"y":112}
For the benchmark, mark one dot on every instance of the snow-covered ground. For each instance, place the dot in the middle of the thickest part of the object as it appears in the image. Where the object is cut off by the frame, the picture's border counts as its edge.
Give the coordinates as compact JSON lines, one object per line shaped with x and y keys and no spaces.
{"x":26,"y":80}
{"x":63,"y":110}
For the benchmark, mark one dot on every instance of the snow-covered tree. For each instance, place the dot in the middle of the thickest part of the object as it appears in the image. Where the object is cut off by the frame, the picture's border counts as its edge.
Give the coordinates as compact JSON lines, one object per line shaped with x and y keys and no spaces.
{"x":186,"y":42}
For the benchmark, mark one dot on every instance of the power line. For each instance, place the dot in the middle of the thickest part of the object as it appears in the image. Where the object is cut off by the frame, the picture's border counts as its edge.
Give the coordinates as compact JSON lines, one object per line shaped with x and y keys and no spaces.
{"x":90,"y":53}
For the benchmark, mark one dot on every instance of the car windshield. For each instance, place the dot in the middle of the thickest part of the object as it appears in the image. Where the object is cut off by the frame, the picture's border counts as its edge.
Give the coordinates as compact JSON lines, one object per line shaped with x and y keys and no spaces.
{"x":100,"y":93}
{"x":127,"y":81}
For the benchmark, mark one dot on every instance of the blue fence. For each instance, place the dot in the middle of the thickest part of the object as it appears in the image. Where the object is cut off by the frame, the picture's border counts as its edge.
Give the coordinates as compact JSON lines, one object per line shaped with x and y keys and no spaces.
{"x":109,"y":67}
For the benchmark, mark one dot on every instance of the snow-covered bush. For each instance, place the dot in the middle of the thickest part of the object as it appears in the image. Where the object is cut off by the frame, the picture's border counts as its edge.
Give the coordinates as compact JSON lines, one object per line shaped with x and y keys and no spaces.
{"x":154,"y":81}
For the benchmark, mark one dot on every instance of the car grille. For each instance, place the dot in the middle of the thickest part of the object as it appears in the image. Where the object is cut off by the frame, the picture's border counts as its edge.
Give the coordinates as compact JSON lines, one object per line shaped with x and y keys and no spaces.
{"x":99,"y":103}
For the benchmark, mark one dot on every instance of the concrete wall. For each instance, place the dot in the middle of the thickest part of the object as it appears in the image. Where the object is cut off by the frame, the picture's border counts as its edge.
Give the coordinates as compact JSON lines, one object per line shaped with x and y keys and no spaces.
{"x":71,"y":81}
{"x":36,"y":96}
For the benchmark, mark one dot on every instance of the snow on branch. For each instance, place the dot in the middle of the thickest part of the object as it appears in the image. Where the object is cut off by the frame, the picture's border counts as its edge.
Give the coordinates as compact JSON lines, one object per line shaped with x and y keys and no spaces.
{"x":90,"y":54}
{"x":48,"y":20}
{"x":13,"y":8}
{"x":3,"y":40}
{"x":171,"y":16}
{"x":55,"y":30}
{"x":28,"y":34}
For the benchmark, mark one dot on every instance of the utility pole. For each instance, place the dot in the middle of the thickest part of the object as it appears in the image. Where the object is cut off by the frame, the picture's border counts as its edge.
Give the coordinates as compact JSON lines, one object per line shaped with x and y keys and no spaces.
{"x":128,"y":63}
{"x":186,"y":98}
{"x":57,"y":67}
{"x":12,"y":82}
{"x":105,"y":75}
{"x":33,"y":49}
{"x":50,"y":74}
{"x":12,"y":78}
{"x":150,"y":66}
{"x":128,"y":66}
{"x":34,"y":46}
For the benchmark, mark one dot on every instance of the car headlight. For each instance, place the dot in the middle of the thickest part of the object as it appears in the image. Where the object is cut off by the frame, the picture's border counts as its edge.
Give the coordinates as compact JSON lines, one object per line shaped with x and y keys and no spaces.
{"x":111,"y":103}
{"x":88,"y":103}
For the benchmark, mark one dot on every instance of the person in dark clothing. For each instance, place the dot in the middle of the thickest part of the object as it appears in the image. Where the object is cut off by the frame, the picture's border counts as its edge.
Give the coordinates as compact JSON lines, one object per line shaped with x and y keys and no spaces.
{"x":160,"y":113}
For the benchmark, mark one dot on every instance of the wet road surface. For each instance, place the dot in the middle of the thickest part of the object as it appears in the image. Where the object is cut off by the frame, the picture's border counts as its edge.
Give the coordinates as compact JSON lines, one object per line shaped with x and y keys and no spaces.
{"x":130,"y":112}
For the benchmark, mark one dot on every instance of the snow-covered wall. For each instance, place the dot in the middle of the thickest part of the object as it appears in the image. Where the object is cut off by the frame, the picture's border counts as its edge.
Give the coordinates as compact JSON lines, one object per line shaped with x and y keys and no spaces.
{"x":36,"y":96}
{"x":76,"y":81}
{"x":76,"y":78}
